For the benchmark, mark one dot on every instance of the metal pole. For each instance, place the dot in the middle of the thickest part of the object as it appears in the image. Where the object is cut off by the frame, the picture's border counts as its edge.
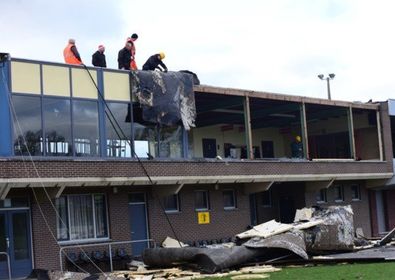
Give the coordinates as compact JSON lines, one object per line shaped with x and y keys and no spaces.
{"x":329,"y":88}
{"x":110,"y":254}
{"x":61,"y":259}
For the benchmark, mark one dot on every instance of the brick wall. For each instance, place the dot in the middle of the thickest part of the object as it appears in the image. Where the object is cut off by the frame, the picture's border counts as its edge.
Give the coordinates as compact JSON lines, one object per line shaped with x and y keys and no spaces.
{"x":54,"y":168}
{"x":223,"y":223}
{"x":360,"y":208}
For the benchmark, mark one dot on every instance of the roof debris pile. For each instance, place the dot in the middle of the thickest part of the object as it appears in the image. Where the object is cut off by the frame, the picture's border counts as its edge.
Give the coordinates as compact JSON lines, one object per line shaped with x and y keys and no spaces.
{"x":326,"y":231}
{"x":314,"y":231}
{"x":165,"y":98}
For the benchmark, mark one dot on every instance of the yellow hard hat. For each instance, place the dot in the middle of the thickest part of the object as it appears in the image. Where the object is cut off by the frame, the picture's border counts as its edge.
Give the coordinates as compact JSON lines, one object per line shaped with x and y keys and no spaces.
{"x":298,"y":138}
{"x":162,"y":55}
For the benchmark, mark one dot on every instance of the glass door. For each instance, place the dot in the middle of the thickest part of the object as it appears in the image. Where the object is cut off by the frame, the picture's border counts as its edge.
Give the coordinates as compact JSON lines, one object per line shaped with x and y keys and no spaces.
{"x":15,"y":240}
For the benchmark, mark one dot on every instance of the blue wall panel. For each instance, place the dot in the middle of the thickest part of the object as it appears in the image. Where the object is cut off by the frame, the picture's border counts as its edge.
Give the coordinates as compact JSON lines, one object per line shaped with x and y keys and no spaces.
{"x":5,"y":115}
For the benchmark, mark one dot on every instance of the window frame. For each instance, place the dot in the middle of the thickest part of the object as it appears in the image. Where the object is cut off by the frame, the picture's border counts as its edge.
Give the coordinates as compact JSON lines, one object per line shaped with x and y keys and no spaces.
{"x":359,"y":196}
{"x":234,"y":199}
{"x":177,"y":209}
{"x":85,"y":240}
{"x":207,"y":208}
{"x":322,"y":193}
{"x":341,"y":189}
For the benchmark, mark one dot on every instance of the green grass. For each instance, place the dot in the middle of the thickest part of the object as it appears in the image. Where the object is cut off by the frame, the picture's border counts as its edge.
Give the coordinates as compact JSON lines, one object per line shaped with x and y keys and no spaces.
{"x":373,"y":271}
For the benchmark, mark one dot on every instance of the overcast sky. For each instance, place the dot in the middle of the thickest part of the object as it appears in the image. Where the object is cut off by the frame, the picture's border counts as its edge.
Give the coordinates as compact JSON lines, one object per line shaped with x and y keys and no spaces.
{"x":265,"y":45}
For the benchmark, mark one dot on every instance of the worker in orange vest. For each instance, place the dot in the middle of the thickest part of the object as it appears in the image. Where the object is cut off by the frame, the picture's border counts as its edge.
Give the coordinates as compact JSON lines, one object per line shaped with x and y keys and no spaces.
{"x":131,"y":39}
{"x":71,"y":54}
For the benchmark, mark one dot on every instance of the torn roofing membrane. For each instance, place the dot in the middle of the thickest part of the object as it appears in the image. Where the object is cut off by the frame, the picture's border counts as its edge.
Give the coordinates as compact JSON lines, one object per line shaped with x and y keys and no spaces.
{"x":165,"y":98}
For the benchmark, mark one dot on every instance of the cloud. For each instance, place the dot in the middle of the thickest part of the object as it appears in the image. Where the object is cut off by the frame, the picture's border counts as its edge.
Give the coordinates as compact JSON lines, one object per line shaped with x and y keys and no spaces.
{"x":274,"y":45}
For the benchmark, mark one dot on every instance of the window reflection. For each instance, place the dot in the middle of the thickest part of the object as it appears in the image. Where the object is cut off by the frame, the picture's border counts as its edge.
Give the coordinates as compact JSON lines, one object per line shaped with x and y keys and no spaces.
{"x":27,"y":125}
{"x":145,"y":141}
{"x":170,"y":142}
{"x":57,"y":123}
{"x":86,"y":130}
{"x":117,"y":145}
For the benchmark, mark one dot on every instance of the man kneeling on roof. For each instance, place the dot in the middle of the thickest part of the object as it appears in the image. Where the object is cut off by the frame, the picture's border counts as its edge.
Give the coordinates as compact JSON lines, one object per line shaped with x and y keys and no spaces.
{"x":154,"y":61}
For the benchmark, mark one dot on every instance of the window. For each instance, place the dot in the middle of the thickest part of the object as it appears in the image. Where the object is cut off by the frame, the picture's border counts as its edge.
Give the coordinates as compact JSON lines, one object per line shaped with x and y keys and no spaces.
{"x":145,"y":140}
{"x":321,"y":196}
{"x":201,"y":200}
{"x":57,"y":123}
{"x":266,"y":198}
{"x":86,"y":128}
{"x":339,"y":193}
{"x":82,"y":217}
{"x":229,"y":199}
{"x":171,"y":203}
{"x":170,"y":142}
{"x":27,"y":125}
{"x":117,"y":144}
{"x":355,"y":192}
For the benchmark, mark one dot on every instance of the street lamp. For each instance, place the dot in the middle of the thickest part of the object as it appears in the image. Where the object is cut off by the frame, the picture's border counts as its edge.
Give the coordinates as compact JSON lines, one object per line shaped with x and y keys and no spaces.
{"x":330,"y":77}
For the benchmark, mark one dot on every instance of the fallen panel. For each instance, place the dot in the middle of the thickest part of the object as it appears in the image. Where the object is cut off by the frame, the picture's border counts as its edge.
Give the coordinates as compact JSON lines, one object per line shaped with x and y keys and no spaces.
{"x":335,"y":233}
{"x":265,"y":230}
{"x":292,"y":241}
{"x":378,"y":253}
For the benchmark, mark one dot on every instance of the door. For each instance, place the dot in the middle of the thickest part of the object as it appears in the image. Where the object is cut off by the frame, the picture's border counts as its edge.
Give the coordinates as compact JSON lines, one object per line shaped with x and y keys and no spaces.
{"x":138,"y":222}
{"x":287,"y":209}
{"x":209,"y":148}
{"x":15,"y":240}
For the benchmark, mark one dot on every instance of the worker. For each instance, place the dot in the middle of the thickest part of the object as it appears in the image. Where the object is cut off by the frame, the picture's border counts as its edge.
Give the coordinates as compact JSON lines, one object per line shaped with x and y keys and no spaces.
{"x":99,"y":58}
{"x":124,"y":57}
{"x":154,"y":61}
{"x":132,"y":39}
{"x":71,"y":54}
{"x":297,"y":147}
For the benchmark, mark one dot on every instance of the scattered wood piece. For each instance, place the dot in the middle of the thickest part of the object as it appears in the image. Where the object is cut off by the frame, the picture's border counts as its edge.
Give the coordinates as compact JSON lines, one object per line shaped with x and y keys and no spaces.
{"x":250,"y":276}
{"x":259,"y":269}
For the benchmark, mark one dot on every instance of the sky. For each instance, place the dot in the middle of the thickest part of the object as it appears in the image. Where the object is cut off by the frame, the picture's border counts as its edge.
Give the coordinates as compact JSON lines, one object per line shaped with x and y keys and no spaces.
{"x":277,"y":46}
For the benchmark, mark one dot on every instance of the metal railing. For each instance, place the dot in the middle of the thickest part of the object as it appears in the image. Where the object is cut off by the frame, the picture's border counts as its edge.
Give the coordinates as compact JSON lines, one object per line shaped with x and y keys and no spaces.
{"x":8,"y":263}
{"x":101,"y":244}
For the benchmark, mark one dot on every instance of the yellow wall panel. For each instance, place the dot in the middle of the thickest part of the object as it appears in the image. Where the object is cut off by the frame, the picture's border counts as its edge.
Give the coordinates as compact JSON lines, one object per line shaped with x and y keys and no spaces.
{"x":83,"y":85}
{"x":116,"y":86}
{"x":56,"y":80}
{"x":25,"y":77}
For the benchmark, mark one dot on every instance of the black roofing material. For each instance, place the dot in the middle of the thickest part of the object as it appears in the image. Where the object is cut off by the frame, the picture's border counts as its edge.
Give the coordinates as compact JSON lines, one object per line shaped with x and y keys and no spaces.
{"x":166,"y":98}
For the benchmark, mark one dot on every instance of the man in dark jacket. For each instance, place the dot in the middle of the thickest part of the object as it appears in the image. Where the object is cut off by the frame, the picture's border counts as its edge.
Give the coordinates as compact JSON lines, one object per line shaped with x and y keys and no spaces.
{"x":99,"y":58}
{"x":124,"y":57}
{"x":154,"y":61}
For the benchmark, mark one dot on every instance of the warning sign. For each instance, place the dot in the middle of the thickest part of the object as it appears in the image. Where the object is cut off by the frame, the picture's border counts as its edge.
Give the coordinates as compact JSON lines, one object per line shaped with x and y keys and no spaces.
{"x":203,"y":218}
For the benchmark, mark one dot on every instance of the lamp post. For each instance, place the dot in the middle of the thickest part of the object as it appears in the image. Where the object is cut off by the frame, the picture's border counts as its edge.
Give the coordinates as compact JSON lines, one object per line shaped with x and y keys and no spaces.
{"x":330,"y":77}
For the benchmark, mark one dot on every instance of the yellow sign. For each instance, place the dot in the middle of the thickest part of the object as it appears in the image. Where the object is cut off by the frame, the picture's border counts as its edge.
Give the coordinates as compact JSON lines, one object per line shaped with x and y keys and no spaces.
{"x":203,"y":218}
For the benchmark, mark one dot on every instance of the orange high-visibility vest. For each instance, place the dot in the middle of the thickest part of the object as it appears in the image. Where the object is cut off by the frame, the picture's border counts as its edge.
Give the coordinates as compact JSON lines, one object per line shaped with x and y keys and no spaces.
{"x":69,"y":56}
{"x":133,"y":65}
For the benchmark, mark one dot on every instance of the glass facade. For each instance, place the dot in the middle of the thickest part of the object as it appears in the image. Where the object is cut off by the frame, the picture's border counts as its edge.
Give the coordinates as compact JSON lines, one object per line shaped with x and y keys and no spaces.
{"x":145,"y":141}
{"x":57,"y":123}
{"x":27,"y":125}
{"x":86,"y":128}
{"x":117,"y":144}
{"x":170,"y":142}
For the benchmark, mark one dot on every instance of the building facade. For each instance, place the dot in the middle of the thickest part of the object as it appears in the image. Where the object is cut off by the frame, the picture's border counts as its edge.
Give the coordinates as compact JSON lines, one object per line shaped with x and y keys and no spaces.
{"x":69,"y":178}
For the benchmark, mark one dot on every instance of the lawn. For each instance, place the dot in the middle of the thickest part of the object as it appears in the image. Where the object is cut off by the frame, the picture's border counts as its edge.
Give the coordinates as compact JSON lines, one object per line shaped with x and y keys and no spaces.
{"x":373,"y":271}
